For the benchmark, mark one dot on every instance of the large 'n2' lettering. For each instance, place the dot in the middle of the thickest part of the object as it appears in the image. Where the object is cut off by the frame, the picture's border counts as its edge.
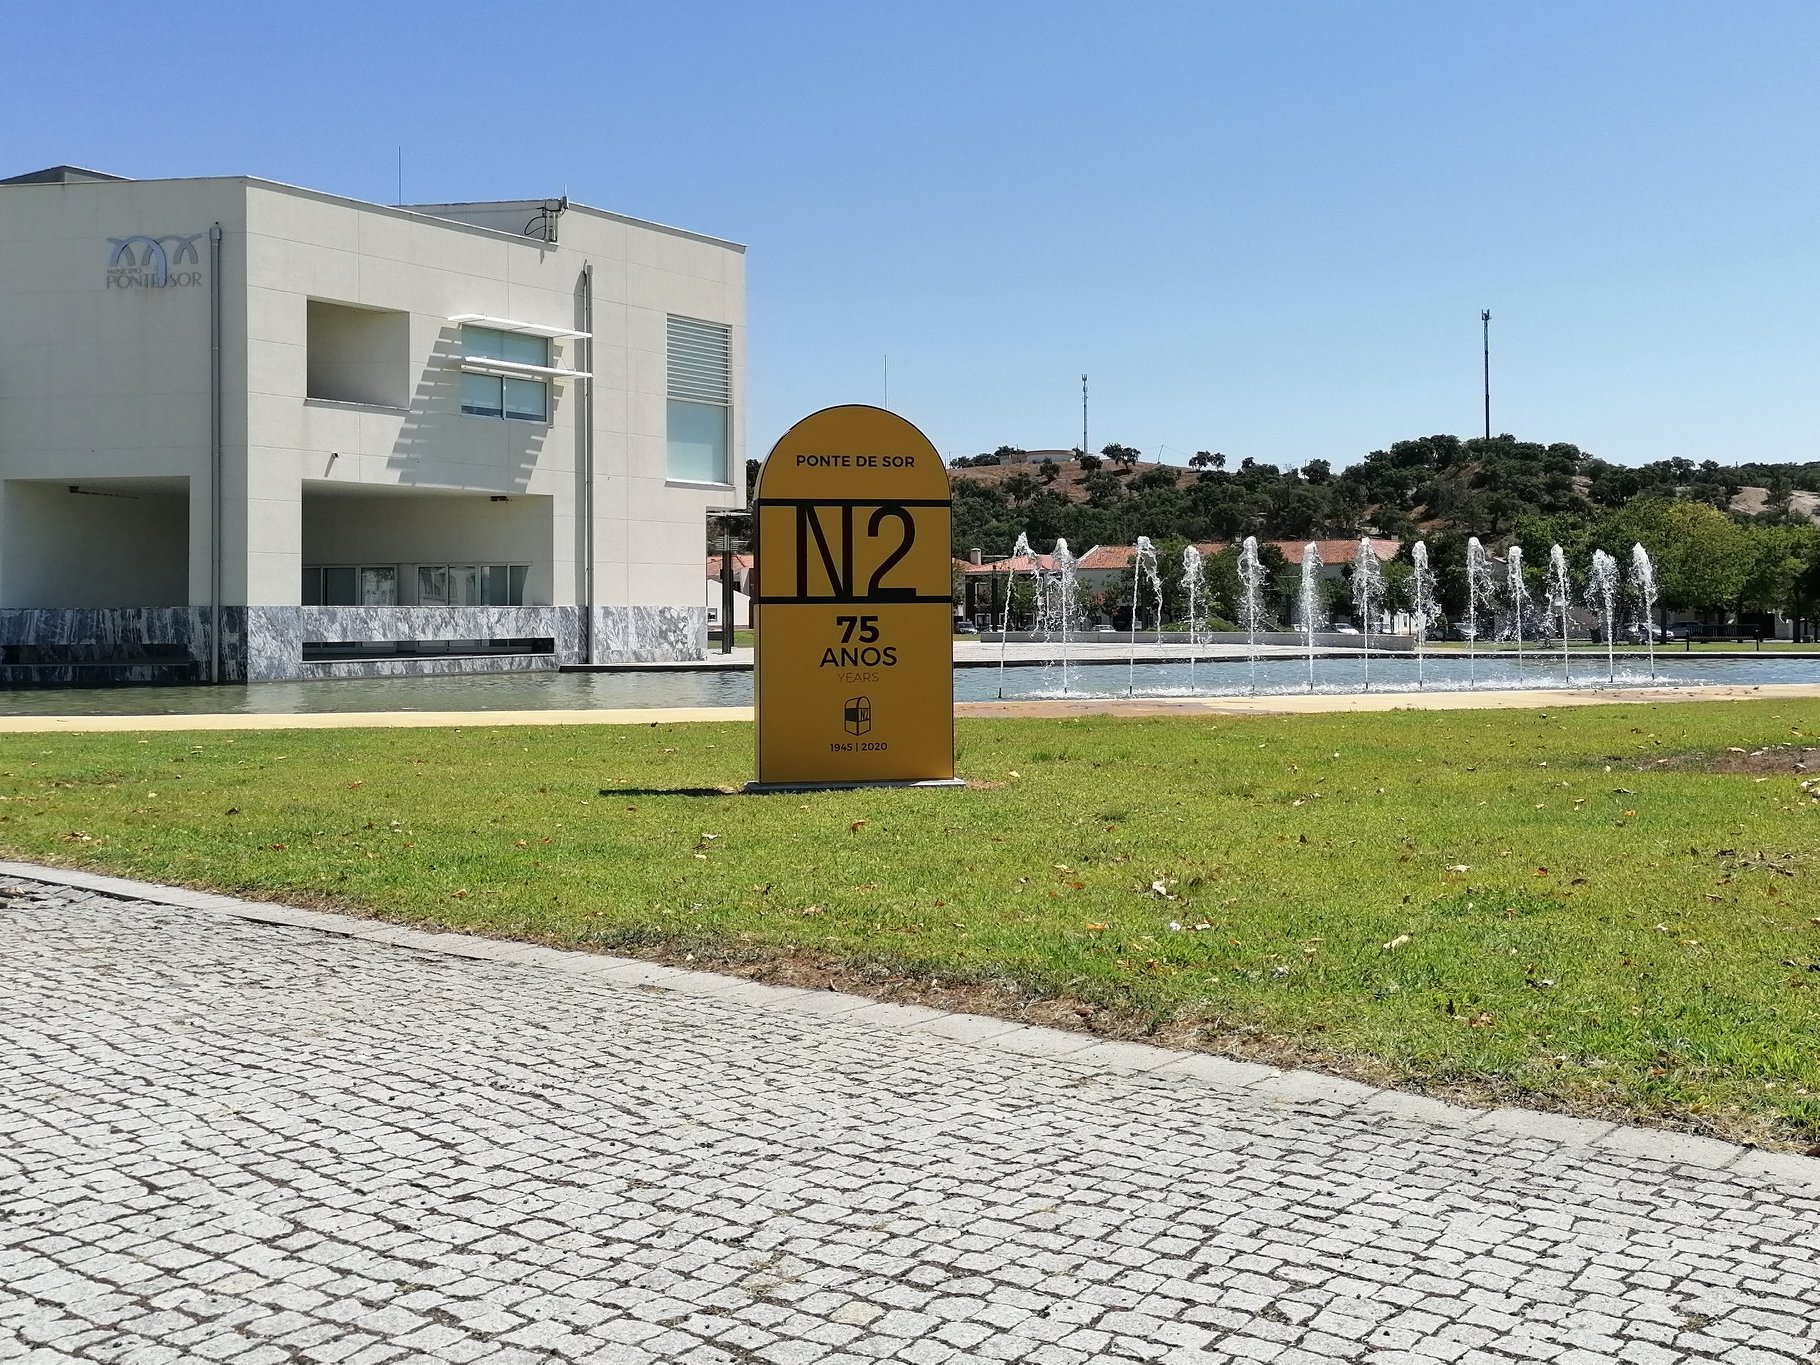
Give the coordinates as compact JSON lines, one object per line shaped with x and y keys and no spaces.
{"x":839,"y":566}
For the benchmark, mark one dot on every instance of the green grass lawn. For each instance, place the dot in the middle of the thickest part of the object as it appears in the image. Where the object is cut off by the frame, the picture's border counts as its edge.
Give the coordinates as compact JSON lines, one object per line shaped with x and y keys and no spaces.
{"x":1580,"y":908}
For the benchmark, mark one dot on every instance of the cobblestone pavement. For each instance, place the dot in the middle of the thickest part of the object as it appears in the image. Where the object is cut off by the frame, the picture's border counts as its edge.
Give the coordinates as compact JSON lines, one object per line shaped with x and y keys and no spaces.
{"x":233,"y":1141}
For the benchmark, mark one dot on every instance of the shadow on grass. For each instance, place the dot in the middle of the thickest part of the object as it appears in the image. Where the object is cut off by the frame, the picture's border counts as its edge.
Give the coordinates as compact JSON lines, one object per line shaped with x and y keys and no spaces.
{"x":670,"y":791}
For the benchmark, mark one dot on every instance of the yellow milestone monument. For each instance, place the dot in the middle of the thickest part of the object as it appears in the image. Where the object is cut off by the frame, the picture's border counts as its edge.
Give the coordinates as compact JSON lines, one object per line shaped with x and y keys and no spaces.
{"x":854,"y":614}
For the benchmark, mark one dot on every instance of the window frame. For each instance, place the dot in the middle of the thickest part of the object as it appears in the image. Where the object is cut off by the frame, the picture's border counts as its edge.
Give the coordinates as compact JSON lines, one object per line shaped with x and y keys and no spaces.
{"x":516,"y":578}
{"x":699,"y":379}
{"x":512,"y":369}
{"x":360,"y":572}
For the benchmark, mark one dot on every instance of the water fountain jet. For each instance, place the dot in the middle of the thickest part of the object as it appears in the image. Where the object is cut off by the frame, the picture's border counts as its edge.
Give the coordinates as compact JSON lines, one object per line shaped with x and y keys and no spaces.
{"x":1518,"y":594}
{"x":1478,"y":588}
{"x":1194,"y":588}
{"x":1143,"y":565}
{"x":1063,"y":559}
{"x":1602,"y":594}
{"x":1251,"y":583}
{"x":1643,"y":583}
{"x":1020,"y":550}
{"x":1560,"y":597}
{"x":1367,"y":589}
{"x":1310,"y":599}
{"x":1423,"y":605}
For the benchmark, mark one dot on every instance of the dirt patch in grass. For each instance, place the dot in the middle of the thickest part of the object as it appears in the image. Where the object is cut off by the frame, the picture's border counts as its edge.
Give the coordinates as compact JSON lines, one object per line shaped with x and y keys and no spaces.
{"x":1777,"y":758}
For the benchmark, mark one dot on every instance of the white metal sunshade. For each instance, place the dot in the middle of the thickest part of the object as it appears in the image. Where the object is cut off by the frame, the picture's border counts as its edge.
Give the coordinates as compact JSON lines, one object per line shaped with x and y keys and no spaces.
{"x":519,"y":370}
{"x":534,"y":329}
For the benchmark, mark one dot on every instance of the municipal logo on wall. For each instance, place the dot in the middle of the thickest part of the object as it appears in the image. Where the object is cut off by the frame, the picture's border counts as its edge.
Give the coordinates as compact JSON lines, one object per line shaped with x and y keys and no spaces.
{"x":858,"y":715}
{"x":142,"y":262}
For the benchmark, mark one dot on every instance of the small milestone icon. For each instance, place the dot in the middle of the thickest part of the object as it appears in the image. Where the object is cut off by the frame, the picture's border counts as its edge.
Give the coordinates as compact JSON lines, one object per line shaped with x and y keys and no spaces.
{"x":858,"y":715}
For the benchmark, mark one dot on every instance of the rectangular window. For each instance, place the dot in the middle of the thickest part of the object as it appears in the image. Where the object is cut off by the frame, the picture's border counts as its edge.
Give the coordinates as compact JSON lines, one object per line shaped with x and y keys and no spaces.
{"x":507,"y":396}
{"x":503,"y":585}
{"x":379,"y":587}
{"x":700,"y":393}
{"x":349,"y":585}
{"x":481,"y":396}
{"x":527,"y":400}
{"x":471,"y":585}
{"x":432,"y":585}
{"x":340,"y":586}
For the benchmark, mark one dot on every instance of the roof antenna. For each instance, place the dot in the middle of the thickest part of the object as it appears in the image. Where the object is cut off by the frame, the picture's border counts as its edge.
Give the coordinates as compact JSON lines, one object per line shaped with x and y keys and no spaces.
{"x":400,"y":200}
{"x":543,"y":222}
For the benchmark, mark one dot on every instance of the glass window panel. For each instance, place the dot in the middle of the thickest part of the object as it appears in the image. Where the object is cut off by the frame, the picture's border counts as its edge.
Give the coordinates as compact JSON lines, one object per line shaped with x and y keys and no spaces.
{"x":311,"y":595}
{"x":433,"y":585}
{"x":480,"y":395}
{"x":379,"y":587}
{"x":464,"y":586}
{"x":493,"y":585}
{"x":340,"y":587}
{"x":697,"y":441}
{"x":482,"y":343}
{"x":527,"y":400}
{"x":526,"y":350}
{"x":515,"y":584}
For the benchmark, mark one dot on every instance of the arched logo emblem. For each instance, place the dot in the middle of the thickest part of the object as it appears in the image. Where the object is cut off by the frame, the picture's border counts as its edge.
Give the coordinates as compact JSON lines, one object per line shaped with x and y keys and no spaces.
{"x":142,"y":262}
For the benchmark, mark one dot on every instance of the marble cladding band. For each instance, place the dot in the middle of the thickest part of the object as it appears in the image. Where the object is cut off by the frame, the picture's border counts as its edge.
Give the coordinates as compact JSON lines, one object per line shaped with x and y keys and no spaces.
{"x":649,"y":635}
{"x":265,"y":644}
{"x":63,"y":646}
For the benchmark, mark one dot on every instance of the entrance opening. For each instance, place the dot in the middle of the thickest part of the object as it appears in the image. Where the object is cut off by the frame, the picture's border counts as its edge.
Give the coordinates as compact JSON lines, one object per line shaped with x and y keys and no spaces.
{"x":95,"y":543}
{"x":412,"y":547}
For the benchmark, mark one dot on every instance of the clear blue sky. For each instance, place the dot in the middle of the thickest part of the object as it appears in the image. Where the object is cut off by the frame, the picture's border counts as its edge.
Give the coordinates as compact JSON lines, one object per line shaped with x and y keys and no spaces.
{"x":1262,"y":228}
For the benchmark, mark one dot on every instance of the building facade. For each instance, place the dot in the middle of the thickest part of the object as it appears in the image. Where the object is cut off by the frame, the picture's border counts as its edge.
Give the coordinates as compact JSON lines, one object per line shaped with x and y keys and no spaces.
{"x":253,"y":432}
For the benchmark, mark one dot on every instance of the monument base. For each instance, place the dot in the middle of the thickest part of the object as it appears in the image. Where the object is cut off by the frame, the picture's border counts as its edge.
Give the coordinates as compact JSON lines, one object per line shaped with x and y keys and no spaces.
{"x":768,"y":788}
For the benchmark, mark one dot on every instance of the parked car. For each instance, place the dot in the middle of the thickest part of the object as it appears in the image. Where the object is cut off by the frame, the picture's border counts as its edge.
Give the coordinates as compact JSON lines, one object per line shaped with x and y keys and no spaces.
{"x":1465,"y":630}
{"x":1683,"y":630}
{"x":962,"y":626}
{"x":1643,"y":632}
{"x":1344,"y":629}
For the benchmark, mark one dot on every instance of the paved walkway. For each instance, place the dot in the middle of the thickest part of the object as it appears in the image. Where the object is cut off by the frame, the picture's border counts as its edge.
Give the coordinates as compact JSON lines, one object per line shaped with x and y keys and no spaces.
{"x":258,"y":1142}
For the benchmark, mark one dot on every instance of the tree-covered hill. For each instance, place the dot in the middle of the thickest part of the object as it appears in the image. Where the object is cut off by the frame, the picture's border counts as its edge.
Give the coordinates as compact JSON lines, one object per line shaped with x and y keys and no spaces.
{"x":1430,"y":484}
{"x":1731,"y":537}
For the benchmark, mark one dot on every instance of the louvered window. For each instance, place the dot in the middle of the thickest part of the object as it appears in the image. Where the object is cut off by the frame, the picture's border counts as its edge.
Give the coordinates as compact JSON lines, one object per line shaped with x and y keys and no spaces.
{"x":700,"y":392}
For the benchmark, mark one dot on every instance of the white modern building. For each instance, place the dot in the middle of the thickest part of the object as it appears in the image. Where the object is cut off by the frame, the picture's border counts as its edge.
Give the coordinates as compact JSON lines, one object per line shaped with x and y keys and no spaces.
{"x":251,"y":432}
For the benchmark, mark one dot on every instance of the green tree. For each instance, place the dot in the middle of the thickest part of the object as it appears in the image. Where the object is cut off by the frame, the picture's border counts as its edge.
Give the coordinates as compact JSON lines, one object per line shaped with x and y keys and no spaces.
{"x":1779,"y":557}
{"x":1703,"y":558}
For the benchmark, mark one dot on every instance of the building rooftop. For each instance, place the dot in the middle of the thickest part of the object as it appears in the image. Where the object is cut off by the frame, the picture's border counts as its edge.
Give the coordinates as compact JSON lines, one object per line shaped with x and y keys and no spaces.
{"x":60,"y":175}
{"x":1014,"y":564}
{"x":1331,"y":551}
{"x":77,"y":175}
